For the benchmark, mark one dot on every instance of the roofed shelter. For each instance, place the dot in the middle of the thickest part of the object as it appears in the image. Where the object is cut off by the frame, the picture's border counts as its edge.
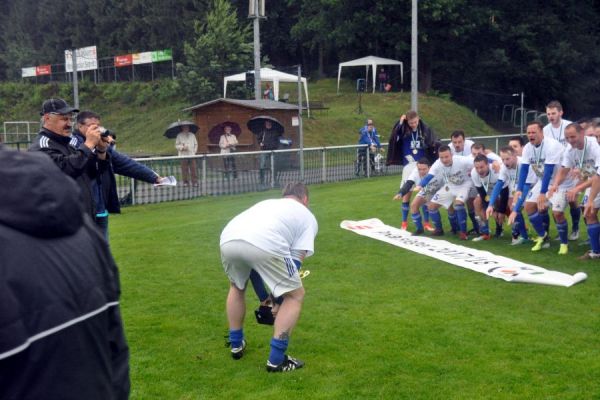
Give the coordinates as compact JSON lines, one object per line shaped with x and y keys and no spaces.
{"x":212,"y":113}
{"x":369,"y":62}
{"x":270,"y":75}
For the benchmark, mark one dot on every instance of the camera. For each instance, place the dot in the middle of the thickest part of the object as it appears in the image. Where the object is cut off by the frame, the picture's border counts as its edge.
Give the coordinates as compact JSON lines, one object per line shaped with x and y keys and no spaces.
{"x":106,"y":132}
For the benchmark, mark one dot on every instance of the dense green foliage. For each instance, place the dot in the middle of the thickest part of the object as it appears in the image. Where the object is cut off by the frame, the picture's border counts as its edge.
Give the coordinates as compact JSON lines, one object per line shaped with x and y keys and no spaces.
{"x":480,"y":52}
{"x":140,"y":112}
{"x":378,"y":322}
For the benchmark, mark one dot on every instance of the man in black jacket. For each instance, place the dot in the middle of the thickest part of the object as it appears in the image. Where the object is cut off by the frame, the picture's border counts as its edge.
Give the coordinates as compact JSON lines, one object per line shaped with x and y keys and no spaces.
{"x":78,"y":162}
{"x":61,"y":334}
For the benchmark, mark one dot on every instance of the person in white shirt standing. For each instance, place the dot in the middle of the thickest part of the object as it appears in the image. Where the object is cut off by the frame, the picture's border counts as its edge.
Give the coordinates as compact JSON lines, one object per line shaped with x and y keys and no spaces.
{"x":272,"y":237}
{"x":580,"y":159}
{"x":555,"y":129}
{"x":187,"y":145}
{"x":227,"y":143}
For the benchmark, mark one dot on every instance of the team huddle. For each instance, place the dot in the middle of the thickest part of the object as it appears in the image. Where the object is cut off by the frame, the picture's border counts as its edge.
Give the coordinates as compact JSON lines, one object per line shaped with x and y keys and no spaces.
{"x":550,"y":173}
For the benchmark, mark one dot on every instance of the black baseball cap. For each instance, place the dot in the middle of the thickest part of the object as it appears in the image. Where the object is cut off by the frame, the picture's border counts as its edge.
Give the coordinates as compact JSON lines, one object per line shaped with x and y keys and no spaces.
{"x":57,"y":106}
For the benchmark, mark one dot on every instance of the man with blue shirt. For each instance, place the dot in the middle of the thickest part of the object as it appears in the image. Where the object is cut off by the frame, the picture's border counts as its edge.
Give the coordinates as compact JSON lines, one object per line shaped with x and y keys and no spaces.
{"x":369,"y":139}
{"x":109,"y":162}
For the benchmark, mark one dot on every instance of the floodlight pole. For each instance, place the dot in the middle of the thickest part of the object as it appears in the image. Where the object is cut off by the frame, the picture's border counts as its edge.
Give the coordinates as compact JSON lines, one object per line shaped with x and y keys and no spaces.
{"x":75,"y":82}
{"x":255,"y":14}
{"x":300,"y":132}
{"x":414,"y":81}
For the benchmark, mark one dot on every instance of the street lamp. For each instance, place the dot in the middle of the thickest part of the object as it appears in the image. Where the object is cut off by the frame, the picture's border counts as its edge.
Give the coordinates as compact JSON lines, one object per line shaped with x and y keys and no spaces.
{"x":522,"y":109}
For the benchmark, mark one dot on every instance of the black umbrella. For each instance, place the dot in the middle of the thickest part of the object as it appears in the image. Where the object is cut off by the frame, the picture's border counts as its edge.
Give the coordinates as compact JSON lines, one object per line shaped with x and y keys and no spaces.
{"x":257,"y":124}
{"x":215,"y":133}
{"x":175,"y":128}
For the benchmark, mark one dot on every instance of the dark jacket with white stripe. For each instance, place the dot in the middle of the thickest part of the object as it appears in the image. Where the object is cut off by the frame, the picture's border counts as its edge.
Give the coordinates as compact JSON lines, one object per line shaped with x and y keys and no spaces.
{"x":76,"y":161}
{"x":61,"y":334}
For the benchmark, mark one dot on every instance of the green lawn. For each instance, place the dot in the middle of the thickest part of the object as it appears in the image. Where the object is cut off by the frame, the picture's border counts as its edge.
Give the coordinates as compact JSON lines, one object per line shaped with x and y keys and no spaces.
{"x":378,"y":321}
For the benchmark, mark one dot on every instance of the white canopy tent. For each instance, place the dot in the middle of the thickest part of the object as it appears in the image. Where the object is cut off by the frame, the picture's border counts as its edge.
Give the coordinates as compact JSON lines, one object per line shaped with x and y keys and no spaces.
{"x":370,"y":61}
{"x":268,"y":74}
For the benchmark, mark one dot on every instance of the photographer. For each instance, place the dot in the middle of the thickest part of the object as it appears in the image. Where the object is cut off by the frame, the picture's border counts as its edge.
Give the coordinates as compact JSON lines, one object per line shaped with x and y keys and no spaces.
{"x":77,"y":160}
{"x":108,"y":163}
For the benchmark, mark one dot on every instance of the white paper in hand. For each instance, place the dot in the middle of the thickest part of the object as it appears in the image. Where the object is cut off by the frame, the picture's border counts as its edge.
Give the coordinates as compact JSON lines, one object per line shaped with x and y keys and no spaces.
{"x":167,"y":181}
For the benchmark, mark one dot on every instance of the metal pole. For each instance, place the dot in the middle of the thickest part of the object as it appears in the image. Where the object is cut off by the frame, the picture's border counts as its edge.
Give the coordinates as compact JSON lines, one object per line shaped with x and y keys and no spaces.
{"x":522,"y":112}
{"x":75,"y":83}
{"x":257,"y":88}
{"x":300,"y":132}
{"x":414,"y":81}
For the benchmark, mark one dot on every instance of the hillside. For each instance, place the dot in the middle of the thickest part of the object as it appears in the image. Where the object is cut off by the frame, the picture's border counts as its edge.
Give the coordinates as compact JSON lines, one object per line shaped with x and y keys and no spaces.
{"x":140,"y":111}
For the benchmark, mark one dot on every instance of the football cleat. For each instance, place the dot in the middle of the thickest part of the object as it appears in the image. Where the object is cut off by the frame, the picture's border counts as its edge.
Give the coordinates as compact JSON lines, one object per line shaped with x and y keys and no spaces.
{"x":288,"y":364}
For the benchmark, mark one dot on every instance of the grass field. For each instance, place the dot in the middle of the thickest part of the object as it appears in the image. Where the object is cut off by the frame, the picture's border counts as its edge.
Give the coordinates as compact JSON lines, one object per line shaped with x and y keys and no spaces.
{"x":378,"y":321}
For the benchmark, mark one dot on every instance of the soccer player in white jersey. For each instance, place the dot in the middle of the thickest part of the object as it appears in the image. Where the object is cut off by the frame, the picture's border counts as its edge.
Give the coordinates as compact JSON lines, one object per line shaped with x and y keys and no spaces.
{"x":517,"y":143}
{"x":454,"y":173}
{"x":459,"y":145}
{"x":506,"y":187}
{"x":579,"y":159}
{"x":555,"y":129}
{"x":418,"y":203}
{"x":591,"y":214}
{"x":495,"y":162}
{"x":541,"y":155}
{"x":272,"y":237}
{"x":484,"y":179}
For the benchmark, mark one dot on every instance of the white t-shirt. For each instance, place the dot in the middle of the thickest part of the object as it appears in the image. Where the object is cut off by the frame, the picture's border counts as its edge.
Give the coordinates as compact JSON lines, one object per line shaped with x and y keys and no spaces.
{"x":557,"y":134}
{"x":275,"y":226}
{"x":511,"y":175}
{"x":457,"y":174}
{"x":548,"y":152}
{"x":488,"y":182}
{"x":466,"y":149}
{"x":585,"y":160}
{"x":434,"y":184}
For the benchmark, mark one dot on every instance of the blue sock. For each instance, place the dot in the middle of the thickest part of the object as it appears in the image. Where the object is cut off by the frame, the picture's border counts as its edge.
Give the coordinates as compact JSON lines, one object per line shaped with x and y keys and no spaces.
{"x":575,"y":216}
{"x":425,"y":213}
{"x":461,"y":215}
{"x":435,"y":217}
{"x":473,"y":221}
{"x":545,"y":220}
{"x":484,"y":228}
{"x":498,"y":228}
{"x":594,"y":235}
{"x":520,"y":225}
{"x":453,"y":221}
{"x":278,"y":348}
{"x":537,"y":221}
{"x":563,"y":231}
{"x":236,"y":337}
{"x":405,"y":209}
{"x":416,"y":217}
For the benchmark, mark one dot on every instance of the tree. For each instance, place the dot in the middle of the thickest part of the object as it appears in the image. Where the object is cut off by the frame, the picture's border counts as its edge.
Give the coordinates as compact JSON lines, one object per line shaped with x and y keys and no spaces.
{"x":222,"y":46}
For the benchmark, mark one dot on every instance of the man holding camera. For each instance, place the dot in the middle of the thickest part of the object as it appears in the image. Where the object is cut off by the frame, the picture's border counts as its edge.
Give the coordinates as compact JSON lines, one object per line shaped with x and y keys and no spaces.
{"x":109,"y":162}
{"x":75,"y":160}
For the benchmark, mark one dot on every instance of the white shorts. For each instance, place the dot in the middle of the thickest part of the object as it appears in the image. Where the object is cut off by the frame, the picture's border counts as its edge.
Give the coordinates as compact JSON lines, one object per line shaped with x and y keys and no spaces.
{"x":473,"y":192}
{"x":445,"y":198}
{"x":534,"y":193}
{"x":407,"y":170}
{"x":559,"y":200}
{"x":279,"y":273}
{"x":586,"y":196}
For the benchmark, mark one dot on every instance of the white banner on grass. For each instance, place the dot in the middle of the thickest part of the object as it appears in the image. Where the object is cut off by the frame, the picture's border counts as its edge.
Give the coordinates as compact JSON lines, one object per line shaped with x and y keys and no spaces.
{"x":476,"y":260}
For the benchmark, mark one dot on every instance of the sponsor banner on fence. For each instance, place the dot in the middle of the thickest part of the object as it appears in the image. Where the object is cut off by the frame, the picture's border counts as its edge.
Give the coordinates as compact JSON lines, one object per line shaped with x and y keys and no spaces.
{"x":124,"y":60}
{"x":87,"y":59}
{"x":476,"y":260}
{"x":28,"y":72}
{"x":43,"y":70}
{"x":142,"y":58}
{"x":162,"y":55}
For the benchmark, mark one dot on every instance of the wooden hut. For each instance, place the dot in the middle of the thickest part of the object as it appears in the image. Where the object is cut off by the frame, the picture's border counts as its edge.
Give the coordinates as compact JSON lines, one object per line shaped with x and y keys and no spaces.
{"x":215,"y":112}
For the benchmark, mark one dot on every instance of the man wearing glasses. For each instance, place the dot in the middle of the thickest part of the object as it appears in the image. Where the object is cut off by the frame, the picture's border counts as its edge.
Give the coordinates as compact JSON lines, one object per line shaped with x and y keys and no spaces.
{"x":55,"y":139}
